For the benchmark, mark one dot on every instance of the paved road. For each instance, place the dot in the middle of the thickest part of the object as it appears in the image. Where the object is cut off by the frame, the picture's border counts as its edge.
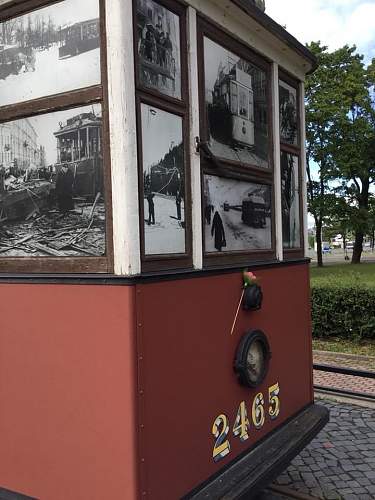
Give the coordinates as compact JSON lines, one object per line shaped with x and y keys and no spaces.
{"x":340,"y":462}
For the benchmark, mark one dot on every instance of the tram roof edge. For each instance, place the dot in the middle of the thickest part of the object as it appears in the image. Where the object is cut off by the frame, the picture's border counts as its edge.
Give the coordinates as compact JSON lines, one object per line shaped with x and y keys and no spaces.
{"x":277,"y":30}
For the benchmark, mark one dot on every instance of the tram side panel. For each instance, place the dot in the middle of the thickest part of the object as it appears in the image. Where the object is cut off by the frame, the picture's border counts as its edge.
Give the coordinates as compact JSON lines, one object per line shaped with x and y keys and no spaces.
{"x":67,"y":391}
{"x":187,"y":384}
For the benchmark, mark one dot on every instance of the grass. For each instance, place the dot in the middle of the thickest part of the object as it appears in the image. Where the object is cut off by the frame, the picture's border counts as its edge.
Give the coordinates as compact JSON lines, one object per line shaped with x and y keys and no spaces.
{"x":363,"y":274}
{"x":363,"y":347}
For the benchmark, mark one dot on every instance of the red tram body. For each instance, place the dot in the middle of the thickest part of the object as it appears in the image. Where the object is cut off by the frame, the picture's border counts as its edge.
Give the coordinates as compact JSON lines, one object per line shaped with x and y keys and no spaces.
{"x":134,"y":362}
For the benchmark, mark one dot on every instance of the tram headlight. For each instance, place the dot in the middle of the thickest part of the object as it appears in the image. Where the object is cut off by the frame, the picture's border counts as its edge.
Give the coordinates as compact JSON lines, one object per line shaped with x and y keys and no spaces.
{"x":252,"y":358}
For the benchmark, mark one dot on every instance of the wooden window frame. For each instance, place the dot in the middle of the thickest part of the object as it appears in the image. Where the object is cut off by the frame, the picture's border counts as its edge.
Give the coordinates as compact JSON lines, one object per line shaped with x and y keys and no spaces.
{"x":177,"y":107}
{"x":95,"y":94}
{"x":295,"y":150}
{"x":228,"y":168}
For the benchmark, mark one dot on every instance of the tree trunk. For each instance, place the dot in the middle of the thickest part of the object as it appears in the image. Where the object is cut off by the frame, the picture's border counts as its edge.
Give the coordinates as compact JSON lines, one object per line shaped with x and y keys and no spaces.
{"x":358,"y":247}
{"x":319,"y":254}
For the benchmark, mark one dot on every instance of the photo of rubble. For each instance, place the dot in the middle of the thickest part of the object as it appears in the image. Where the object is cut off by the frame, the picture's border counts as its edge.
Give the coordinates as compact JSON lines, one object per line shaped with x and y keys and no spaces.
{"x":163,"y":181}
{"x":51,"y":185}
{"x":290,"y":200}
{"x":288,"y":113}
{"x":237,"y":215}
{"x":236,"y":106}
{"x":159,"y":56}
{"x":50,"y":50}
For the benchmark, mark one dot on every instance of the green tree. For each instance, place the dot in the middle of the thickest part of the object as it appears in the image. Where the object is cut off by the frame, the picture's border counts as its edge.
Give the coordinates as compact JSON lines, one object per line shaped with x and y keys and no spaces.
{"x":354,"y":155}
{"x":322,"y":108}
{"x":340,"y":137}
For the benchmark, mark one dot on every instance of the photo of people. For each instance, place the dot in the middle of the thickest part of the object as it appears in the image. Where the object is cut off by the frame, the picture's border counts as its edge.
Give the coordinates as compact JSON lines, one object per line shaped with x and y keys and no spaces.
{"x":159,"y":52}
{"x":237,"y":215}
{"x":236,"y":106}
{"x":288,"y":113}
{"x":49,"y":51}
{"x":51,"y":185}
{"x":163,"y":181}
{"x":290,"y":200}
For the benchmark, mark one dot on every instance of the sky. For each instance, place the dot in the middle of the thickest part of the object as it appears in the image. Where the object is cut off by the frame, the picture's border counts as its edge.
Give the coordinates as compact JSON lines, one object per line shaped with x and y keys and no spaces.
{"x":333,"y":22}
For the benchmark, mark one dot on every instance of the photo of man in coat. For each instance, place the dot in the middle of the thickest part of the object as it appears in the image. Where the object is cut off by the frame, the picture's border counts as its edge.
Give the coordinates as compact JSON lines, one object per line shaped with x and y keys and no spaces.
{"x":64,"y":189}
{"x":217,"y":231}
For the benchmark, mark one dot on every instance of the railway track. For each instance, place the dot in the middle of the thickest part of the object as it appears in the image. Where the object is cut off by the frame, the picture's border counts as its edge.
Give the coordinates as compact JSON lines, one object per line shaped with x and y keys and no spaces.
{"x":364,"y":374}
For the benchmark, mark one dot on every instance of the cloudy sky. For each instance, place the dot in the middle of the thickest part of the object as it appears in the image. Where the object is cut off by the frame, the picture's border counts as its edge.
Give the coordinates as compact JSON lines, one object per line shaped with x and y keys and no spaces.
{"x":334,"y":22}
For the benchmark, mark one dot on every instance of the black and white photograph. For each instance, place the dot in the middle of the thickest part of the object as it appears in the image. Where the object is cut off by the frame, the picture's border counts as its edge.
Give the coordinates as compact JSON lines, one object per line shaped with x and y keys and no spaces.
{"x":236,"y":106}
{"x":51,"y":185}
{"x":290,"y":201}
{"x":49,"y":51}
{"x":237,"y":215}
{"x":159,"y":51}
{"x":163,"y":181}
{"x":288,"y":113}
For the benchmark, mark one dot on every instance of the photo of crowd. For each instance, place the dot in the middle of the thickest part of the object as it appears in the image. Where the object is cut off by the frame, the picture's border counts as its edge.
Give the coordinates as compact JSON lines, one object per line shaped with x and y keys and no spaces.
{"x":159,"y":48}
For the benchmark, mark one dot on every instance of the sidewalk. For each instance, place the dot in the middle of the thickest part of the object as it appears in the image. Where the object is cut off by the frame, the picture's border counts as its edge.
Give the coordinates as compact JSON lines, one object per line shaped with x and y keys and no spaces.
{"x":348,"y":382}
{"x":340,"y":462}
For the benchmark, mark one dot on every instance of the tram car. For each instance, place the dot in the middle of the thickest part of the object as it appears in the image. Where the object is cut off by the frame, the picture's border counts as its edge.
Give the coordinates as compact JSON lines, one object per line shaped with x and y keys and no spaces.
{"x":231,"y":113}
{"x":79,"y":37}
{"x":175,"y":362}
{"x":79,"y":147}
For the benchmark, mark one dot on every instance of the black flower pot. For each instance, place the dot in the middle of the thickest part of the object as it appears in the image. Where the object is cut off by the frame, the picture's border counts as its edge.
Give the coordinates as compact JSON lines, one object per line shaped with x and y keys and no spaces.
{"x":252,"y":298}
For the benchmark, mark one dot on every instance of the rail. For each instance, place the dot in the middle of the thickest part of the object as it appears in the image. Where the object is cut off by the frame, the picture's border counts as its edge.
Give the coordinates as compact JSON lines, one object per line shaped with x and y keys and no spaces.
{"x":345,"y":371}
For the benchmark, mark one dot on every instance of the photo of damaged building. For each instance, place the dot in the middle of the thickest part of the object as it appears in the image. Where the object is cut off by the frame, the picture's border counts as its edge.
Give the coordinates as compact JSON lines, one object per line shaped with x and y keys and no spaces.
{"x":51,"y":185}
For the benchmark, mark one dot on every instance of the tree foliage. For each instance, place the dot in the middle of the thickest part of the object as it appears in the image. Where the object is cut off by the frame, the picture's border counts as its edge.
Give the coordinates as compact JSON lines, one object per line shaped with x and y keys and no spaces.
{"x":341,"y":139}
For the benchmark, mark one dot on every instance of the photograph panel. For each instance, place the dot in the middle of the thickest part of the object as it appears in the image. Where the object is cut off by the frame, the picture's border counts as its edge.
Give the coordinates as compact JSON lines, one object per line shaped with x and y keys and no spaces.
{"x":237,"y":215}
{"x":51,"y":185}
{"x":236,"y":106}
{"x":49,"y":51}
{"x":163,"y":181}
{"x":288,"y":113}
{"x":159,"y":51}
{"x":290,"y":193}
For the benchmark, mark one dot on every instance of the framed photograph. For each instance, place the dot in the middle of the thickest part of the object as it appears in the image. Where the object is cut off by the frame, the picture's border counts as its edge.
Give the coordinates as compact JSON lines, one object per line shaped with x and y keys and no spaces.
{"x":51,"y":185}
{"x":236,"y":106}
{"x":163,"y":182}
{"x":237,"y":215}
{"x":288,"y":113}
{"x":158,"y":48}
{"x":49,"y":51}
{"x":290,"y":193}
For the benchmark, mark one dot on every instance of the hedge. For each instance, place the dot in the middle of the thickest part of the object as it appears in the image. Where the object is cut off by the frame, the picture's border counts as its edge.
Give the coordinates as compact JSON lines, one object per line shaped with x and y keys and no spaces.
{"x":343,"y":311}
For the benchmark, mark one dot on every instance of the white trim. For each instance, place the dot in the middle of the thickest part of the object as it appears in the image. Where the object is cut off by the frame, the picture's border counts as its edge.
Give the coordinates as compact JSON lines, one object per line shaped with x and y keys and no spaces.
{"x":303,"y":166}
{"x":195,"y":165}
{"x":276,"y":161}
{"x":123,"y":137}
{"x":236,"y":22}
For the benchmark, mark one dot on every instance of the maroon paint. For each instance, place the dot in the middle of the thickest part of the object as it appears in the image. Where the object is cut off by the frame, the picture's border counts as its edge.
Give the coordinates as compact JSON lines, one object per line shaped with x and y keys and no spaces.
{"x":185,"y":372}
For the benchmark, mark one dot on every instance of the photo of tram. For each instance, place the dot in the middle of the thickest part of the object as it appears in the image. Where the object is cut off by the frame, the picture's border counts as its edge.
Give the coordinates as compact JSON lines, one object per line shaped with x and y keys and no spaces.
{"x":231,"y":114}
{"x":78,"y":38}
{"x":155,"y":334}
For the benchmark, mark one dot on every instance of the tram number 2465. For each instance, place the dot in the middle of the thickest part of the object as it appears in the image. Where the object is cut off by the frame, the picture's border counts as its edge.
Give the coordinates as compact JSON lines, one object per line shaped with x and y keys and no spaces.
{"x":221,"y":425}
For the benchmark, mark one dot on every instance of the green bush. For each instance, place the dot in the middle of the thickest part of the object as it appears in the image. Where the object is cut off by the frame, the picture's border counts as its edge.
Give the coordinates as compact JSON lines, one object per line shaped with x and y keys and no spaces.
{"x":343,"y":310}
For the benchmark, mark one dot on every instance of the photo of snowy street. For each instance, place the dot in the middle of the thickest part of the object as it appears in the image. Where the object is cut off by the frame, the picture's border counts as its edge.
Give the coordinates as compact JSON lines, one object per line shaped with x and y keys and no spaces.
{"x":237,"y":215}
{"x":49,"y":51}
{"x":168,"y":233}
{"x":163,"y":181}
